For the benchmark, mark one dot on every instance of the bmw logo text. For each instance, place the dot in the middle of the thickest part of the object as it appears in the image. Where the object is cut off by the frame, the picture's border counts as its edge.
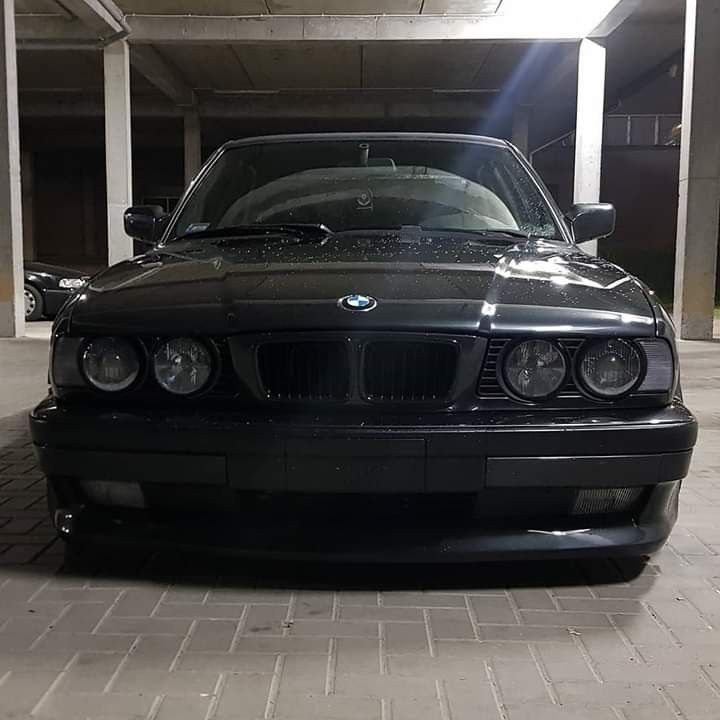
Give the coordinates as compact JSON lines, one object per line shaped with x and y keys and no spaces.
{"x":358,"y":303}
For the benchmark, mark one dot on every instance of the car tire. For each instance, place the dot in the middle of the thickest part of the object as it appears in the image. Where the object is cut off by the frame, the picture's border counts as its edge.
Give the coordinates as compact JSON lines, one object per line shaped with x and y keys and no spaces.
{"x":34,"y":309}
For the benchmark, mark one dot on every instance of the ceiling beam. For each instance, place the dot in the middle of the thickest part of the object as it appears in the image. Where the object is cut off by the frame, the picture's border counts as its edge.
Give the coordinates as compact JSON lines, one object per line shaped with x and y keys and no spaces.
{"x":149,"y":63}
{"x":377,"y":105}
{"x":206,"y":30}
{"x":102,"y":17}
{"x":77,"y":24}
{"x":616,"y":17}
{"x":48,"y":31}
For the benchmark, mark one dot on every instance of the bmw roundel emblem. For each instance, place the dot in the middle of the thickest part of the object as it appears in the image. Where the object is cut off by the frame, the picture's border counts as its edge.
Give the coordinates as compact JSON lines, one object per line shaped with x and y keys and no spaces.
{"x":358,"y":303}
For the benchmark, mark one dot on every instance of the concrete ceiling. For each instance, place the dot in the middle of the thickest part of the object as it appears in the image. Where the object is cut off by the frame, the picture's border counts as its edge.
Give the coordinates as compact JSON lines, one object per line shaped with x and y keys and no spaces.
{"x":241,"y":73}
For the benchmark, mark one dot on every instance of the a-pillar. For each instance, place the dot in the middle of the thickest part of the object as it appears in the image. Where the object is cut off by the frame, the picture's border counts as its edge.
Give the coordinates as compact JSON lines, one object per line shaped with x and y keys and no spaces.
{"x":192,"y":143}
{"x":589,"y":126}
{"x":521,"y":129}
{"x":12,"y":307}
{"x":118,"y":148}
{"x":699,"y":202}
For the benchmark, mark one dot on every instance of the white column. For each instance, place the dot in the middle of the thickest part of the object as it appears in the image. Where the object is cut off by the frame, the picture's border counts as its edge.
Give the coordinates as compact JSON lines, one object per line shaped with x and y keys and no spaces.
{"x":28,"y":200}
{"x":118,"y":148}
{"x":589,"y":126}
{"x":192,"y":143}
{"x":699,"y":201}
{"x":521,"y":129}
{"x":12,"y":307}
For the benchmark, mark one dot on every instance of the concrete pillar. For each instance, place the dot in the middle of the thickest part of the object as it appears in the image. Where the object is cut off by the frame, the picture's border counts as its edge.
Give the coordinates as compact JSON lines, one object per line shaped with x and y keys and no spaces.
{"x":699,"y":201}
{"x":118,"y":147}
{"x":589,"y":126}
{"x":12,"y":306}
{"x":521,"y":129}
{"x":193,"y":144}
{"x":28,"y":199}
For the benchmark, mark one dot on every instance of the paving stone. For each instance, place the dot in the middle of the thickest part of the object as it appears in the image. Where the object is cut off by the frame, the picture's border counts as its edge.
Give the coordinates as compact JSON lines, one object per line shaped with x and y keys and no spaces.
{"x":113,"y":706}
{"x":381,"y":614}
{"x":266,"y":620}
{"x":228,"y":662}
{"x":292,"y":706}
{"x":183,"y":708}
{"x":446,"y":624}
{"x":330,"y":628}
{"x":158,"y":682}
{"x":212,"y":635}
{"x":145,"y":626}
{"x":314,"y":606}
{"x":246,"y":694}
{"x":421,"y":600}
{"x":355,"y":656}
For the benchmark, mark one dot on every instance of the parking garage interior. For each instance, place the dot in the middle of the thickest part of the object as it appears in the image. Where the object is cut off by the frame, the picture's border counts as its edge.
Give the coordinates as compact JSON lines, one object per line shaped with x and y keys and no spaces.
{"x":107,"y":104}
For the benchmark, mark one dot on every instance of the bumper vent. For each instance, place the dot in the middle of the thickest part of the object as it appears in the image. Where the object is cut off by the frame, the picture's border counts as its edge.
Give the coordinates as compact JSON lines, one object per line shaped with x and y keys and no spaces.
{"x":409,"y":371}
{"x":305,"y":370}
{"x":597,"y":501}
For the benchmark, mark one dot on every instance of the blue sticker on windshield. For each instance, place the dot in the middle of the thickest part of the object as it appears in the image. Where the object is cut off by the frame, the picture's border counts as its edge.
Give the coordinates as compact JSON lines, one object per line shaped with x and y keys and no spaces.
{"x":197,"y":227}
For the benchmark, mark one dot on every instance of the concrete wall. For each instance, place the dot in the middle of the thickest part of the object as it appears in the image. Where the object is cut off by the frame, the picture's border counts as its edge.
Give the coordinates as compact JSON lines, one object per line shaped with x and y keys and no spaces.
{"x":642,"y":182}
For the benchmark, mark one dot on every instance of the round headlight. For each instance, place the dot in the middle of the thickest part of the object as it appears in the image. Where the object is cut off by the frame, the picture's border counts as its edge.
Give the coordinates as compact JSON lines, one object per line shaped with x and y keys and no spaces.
{"x":535,"y":369}
{"x":610,"y":368}
{"x":110,"y":364}
{"x":182,"y":366}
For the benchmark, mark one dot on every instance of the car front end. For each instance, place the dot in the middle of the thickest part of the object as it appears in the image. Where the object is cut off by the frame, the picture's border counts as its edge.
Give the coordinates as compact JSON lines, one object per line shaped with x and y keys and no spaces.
{"x":412,"y":395}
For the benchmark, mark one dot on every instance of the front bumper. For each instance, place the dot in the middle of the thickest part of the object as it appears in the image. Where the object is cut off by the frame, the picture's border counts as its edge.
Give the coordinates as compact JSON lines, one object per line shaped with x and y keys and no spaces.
{"x":196,"y":467}
{"x":54,"y":299}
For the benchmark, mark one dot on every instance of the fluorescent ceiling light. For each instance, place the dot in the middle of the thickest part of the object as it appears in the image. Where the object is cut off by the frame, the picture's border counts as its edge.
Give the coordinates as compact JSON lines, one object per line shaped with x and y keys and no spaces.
{"x":561,"y":17}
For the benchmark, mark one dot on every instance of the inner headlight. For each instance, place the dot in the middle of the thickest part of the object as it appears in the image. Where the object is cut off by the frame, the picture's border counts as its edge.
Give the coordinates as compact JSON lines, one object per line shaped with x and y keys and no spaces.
{"x":110,"y":364}
{"x":535,"y":369}
{"x":183,"y":366}
{"x":610,"y":368}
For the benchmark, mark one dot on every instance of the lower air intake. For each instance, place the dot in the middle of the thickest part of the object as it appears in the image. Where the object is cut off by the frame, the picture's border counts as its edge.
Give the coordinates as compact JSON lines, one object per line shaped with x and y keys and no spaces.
{"x":603,"y":501}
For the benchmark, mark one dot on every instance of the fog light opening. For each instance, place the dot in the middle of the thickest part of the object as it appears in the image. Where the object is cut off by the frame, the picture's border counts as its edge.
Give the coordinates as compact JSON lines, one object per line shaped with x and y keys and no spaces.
{"x":113,"y":494}
{"x":602,"y":501}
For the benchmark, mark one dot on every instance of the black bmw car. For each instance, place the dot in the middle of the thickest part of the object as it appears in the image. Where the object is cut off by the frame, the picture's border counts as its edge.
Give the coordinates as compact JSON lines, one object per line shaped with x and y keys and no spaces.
{"x":367,"y":347}
{"x":47,"y":288}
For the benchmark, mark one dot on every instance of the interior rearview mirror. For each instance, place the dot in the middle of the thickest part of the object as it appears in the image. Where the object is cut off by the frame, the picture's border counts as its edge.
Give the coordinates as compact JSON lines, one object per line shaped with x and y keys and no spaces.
{"x":591,"y":221}
{"x":144,"y":222}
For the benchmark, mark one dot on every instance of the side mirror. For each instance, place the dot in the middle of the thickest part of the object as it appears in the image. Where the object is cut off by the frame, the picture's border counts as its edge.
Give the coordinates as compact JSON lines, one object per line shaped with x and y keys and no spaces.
{"x":591,"y":221}
{"x":144,"y":222}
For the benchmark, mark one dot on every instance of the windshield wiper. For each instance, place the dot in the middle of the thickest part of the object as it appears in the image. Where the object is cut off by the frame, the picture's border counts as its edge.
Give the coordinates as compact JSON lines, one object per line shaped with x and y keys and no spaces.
{"x":495,"y":233}
{"x":302,"y":231}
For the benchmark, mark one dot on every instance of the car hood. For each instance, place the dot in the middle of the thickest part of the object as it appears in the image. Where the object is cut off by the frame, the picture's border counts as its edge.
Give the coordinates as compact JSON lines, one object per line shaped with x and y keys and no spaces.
{"x":56,"y":270}
{"x":426,"y":284}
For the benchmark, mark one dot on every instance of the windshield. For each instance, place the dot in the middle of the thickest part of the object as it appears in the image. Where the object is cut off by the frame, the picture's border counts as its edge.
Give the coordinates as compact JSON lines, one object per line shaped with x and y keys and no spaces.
{"x":349,"y":184}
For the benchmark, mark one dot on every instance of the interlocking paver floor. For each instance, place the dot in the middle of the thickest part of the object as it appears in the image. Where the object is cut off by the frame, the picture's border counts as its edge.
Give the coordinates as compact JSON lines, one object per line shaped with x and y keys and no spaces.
{"x":167,"y":637}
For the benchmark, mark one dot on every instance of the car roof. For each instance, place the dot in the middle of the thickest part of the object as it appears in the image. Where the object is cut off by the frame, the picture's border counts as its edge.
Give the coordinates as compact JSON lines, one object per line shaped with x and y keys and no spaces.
{"x":310,"y":137}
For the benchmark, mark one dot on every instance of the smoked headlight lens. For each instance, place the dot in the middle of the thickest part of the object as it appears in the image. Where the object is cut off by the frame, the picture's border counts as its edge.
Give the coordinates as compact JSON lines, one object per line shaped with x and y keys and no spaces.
{"x":610,"y":368}
{"x":110,"y":364}
{"x":182,"y":366}
{"x":535,"y":369}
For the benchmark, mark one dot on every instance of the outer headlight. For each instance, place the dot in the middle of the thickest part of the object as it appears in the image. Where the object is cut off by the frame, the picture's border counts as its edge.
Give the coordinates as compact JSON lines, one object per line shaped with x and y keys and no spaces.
{"x":535,"y":369}
{"x":610,"y":368}
{"x":110,"y":364}
{"x":71,"y":283}
{"x":182,"y":366}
